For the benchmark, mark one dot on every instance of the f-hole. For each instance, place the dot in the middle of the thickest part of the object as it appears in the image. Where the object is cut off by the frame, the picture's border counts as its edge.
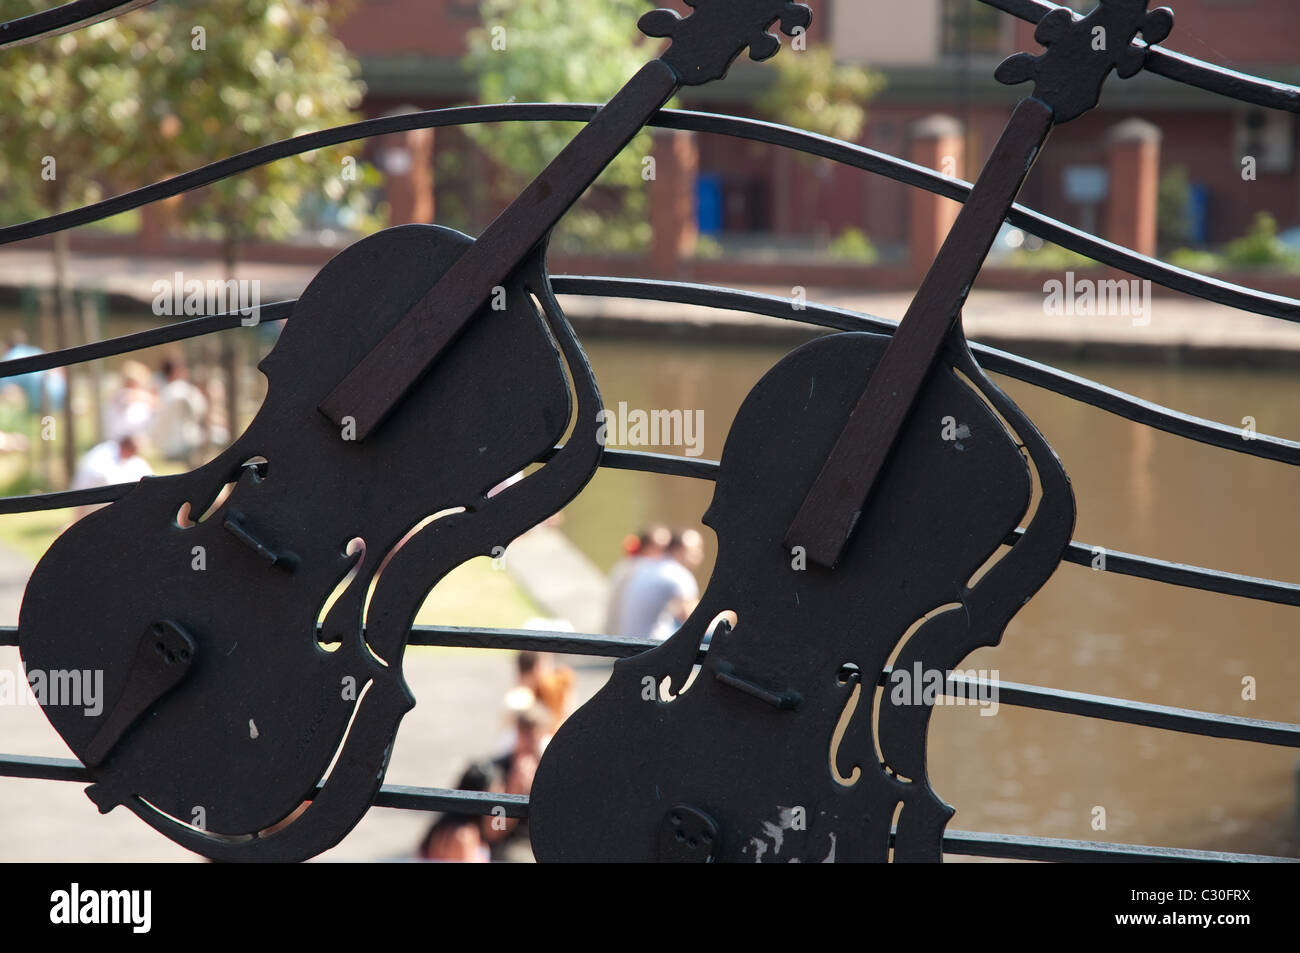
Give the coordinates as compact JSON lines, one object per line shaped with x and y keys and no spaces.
{"x":881,"y":690}
{"x":723,"y":623}
{"x":259,"y":467}
{"x":849,"y":674}
{"x":391,"y":555}
{"x":331,"y":642}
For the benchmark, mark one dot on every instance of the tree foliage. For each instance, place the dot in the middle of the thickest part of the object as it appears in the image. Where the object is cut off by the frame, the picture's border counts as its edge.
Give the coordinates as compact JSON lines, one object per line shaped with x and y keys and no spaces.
{"x":170,"y":87}
{"x":815,"y":93}
{"x":176,"y":85}
{"x":235,"y":74}
{"x":72,"y":119}
{"x":560,"y":51}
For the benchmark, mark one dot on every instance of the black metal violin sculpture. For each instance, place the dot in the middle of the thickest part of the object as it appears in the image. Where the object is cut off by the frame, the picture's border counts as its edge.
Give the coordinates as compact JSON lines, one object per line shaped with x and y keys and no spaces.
{"x":251,"y":641}
{"x":856,"y":528}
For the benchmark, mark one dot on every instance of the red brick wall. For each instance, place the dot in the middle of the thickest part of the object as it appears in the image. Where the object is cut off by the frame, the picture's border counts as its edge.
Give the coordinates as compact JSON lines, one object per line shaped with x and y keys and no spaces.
{"x":773,"y":190}
{"x":395,"y":27}
{"x":1234,"y":33}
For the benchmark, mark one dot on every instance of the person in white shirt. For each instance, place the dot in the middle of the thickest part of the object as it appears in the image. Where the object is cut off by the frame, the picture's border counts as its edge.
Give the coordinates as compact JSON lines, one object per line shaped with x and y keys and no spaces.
{"x":179,"y":422}
{"x":650,"y":543}
{"x":662,"y":590}
{"x":131,"y":408}
{"x":113,"y":461}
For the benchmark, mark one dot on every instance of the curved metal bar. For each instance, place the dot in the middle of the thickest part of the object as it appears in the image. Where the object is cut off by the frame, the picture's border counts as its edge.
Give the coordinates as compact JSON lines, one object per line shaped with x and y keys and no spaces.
{"x":1031,"y":372}
{"x":63,"y":19}
{"x":1180,"y":574}
{"x":1107,"y":253}
{"x":968,"y":843}
{"x":261,"y":155}
{"x":1120,"y":710}
{"x":1018,"y":695}
{"x":166,"y":334}
{"x":1182,"y":68}
{"x":1082,"y":554}
{"x":1078,"y":388}
{"x":668,"y":464}
{"x":992,"y":359}
{"x":62,"y":500}
{"x":1056,"y":850}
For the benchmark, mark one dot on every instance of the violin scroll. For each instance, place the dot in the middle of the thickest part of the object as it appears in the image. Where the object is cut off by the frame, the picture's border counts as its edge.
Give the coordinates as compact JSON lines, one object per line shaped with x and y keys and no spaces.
{"x":707,"y":41}
{"x":1080,"y":53}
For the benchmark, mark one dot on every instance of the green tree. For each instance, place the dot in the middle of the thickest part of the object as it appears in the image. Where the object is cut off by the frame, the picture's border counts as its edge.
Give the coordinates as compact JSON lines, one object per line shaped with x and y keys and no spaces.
{"x":558,"y":51}
{"x":810,"y":90}
{"x":170,"y":87}
{"x":71,"y":127}
{"x":1260,"y":247}
{"x":230,"y":75}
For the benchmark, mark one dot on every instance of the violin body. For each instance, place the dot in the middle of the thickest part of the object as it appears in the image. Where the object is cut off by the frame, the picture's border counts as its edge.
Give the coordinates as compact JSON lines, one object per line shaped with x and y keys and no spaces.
{"x":231,"y":723}
{"x":225,"y":706}
{"x":782,"y":747}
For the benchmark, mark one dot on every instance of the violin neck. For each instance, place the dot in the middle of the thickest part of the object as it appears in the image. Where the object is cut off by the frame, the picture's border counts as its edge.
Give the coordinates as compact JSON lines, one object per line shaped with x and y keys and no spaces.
{"x":946,"y":285}
{"x":539,"y":207}
{"x":388,"y":372}
{"x":830,"y":511}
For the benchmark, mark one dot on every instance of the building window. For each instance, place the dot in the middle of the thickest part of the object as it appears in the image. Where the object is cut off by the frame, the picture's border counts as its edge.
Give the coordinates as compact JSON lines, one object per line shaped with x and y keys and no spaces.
{"x":1268,"y":137}
{"x":970,"y":27}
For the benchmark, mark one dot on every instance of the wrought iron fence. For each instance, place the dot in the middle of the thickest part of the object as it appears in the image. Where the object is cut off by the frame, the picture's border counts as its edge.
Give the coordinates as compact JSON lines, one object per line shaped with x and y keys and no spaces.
{"x":1174,"y":66}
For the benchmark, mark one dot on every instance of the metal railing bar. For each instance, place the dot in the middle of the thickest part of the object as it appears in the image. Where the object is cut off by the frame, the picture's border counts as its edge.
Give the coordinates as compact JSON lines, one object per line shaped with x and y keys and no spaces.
{"x":1049,"y":378}
{"x":1083,"y":554}
{"x":1180,"y":67}
{"x":63,"y":499}
{"x":669,"y":464}
{"x":138,"y":340}
{"x":63,"y":19}
{"x":1125,"y":711}
{"x":662,"y":463}
{"x":408,"y":798}
{"x":1116,"y":256}
{"x":968,"y":690}
{"x":1016,"y":694}
{"x":966,"y":843}
{"x":1179,"y":574}
{"x":1054,"y":849}
{"x":43,"y":769}
{"x":519,"y":640}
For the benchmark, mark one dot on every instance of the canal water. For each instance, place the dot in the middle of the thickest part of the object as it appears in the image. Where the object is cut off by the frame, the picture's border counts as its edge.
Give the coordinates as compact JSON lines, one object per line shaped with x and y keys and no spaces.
{"x":1138,"y":490}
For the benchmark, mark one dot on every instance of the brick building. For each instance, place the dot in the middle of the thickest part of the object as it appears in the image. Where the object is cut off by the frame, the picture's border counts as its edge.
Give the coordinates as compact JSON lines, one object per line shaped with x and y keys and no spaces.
{"x":937,"y":56}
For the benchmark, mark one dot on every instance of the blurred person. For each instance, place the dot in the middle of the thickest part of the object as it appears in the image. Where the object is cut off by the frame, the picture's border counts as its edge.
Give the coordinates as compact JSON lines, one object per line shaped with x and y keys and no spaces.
{"x":130,"y":410}
{"x":113,"y":461}
{"x":508,"y":837}
{"x":662,"y":591}
{"x":213,"y":386}
{"x":30,"y":384}
{"x":543,"y":682}
{"x":459,"y":838}
{"x":650,"y":542}
{"x":179,"y":421}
